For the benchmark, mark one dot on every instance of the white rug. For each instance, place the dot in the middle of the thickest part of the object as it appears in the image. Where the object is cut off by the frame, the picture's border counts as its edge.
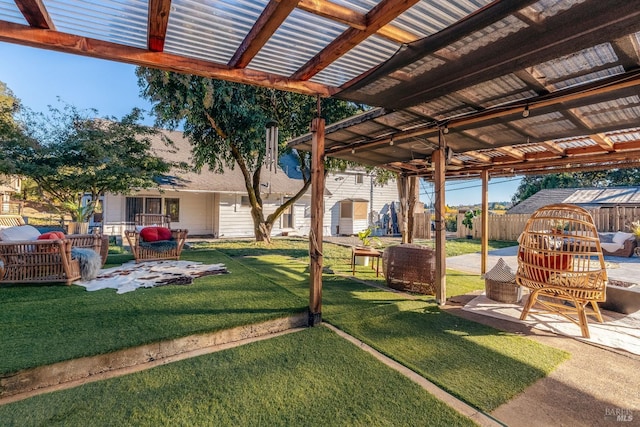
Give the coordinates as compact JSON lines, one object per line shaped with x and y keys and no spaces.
{"x":620,"y":331}
{"x":131,"y":276}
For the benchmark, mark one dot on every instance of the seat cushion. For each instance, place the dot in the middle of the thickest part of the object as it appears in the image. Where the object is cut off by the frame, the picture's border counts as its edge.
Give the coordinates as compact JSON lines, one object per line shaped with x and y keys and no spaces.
{"x":610,"y":247}
{"x":19,"y":233}
{"x":52,"y":235}
{"x":155,"y":234}
{"x":620,"y":237}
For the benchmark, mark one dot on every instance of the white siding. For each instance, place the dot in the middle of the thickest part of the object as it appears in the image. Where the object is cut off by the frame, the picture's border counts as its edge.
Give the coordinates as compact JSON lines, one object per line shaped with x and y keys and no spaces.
{"x":235,"y":219}
{"x":344,"y":185}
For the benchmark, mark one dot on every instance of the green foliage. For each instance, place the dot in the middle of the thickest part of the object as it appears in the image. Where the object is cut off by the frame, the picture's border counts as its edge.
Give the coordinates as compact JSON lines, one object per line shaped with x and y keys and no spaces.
{"x":225,"y":123}
{"x":367,"y":239}
{"x":468,"y":219}
{"x":635,"y":229}
{"x":69,"y":152}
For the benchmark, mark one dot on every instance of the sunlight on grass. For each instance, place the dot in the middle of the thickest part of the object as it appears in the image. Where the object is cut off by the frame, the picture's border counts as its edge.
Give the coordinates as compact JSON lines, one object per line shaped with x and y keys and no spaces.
{"x":284,"y":381}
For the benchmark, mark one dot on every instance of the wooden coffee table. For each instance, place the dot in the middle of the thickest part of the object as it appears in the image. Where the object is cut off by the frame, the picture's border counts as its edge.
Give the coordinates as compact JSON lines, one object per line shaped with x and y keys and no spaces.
{"x":362,"y":252}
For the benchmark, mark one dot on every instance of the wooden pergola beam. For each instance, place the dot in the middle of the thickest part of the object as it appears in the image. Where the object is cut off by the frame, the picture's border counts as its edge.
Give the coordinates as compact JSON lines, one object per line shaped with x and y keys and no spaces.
{"x":383,"y":13}
{"x":158,"y":22}
{"x":267,"y":23}
{"x":35,"y":13}
{"x":68,"y":43}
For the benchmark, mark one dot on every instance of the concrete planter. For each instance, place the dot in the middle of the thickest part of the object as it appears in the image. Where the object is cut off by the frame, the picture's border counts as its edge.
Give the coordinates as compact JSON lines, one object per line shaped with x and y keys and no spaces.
{"x":622,"y":299}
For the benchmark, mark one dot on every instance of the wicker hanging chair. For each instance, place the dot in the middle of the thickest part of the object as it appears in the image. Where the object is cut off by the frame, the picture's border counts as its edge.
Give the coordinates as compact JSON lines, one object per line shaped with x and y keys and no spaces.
{"x":560,"y":261}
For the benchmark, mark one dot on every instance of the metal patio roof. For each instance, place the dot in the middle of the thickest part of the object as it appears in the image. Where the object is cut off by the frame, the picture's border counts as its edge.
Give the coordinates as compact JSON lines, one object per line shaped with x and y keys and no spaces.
{"x":472,"y":68}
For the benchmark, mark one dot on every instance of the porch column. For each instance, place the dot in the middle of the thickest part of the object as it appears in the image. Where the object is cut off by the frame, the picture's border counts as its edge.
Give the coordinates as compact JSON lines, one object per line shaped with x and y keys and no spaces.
{"x":485,"y":222}
{"x":317,"y":219}
{"x":438,"y":158}
{"x":402,"y":212}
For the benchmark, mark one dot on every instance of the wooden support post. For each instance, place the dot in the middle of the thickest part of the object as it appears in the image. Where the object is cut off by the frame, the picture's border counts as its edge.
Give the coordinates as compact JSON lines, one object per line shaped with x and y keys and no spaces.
{"x":438,"y":158}
{"x":485,"y":222}
{"x":317,"y":218}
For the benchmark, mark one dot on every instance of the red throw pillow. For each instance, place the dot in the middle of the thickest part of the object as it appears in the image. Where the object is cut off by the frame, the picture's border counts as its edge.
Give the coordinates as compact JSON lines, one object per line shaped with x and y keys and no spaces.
{"x":52,"y":235}
{"x":155,"y":234}
{"x":558,"y":262}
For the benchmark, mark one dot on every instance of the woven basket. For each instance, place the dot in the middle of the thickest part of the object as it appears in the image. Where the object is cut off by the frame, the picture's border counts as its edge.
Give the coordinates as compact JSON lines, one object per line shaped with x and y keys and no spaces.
{"x":410,"y":268}
{"x":507,"y":292}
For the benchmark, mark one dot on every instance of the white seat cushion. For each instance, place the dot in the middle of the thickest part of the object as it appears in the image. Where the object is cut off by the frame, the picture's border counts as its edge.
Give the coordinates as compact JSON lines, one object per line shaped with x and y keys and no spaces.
{"x":620,"y":237}
{"x":611,"y":247}
{"x":19,"y":233}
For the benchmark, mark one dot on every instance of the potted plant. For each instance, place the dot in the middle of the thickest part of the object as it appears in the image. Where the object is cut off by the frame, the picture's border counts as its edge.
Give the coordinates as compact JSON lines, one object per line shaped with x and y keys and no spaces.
{"x":80,"y":214}
{"x":367,"y":241}
{"x":467,"y":221}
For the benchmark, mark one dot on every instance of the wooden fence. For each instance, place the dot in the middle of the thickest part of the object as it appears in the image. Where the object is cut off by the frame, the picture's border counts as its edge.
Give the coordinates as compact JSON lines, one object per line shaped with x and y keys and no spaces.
{"x":509,"y":227}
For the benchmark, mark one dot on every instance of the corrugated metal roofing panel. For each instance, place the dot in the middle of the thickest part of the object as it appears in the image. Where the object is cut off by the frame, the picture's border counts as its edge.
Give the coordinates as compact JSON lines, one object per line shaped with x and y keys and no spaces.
{"x":588,"y":78}
{"x":430,"y":16}
{"x":583,"y":195}
{"x":10,"y":12}
{"x":486,"y":36}
{"x":632,"y":134}
{"x":576,"y":63}
{"x":623,"y":110}
{"x":493,"y":89}
{"x":118,"y":21}
{"x":421,"y":66}
{"x":301,"y":36}
{"x":541,"y":10}
{"x":544,"y":124}
{"x":210,"y":30}
{"x":363,"y":57}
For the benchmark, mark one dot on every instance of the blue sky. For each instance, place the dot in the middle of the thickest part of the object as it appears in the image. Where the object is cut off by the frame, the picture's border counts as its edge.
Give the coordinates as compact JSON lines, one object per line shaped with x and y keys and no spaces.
{"x":38,"y":77}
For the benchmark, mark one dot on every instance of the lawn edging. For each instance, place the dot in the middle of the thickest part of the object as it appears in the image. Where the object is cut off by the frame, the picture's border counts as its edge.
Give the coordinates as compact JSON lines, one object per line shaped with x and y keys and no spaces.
{"x":33,"y":381}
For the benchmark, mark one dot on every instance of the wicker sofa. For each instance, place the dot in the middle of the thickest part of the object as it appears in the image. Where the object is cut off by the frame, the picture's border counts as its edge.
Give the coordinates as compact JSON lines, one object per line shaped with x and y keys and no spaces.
{"x":40,"y":261}
{"x":617,"y":244}
{"x":97,"y":242}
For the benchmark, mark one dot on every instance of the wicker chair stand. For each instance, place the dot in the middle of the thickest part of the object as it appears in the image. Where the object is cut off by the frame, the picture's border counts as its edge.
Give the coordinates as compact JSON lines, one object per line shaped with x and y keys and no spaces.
{"x":142,"y":253}
{"x":558,"y":263}
{"x":410,"y":268}
{"x":35,"y":262}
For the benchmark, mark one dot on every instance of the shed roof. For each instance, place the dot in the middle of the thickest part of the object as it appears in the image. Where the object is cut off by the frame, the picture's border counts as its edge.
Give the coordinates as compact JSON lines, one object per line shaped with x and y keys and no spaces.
{"x":585,"y":197}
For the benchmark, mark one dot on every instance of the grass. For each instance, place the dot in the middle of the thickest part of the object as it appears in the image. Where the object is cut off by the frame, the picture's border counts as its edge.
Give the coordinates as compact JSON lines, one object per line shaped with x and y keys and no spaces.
{"x":311,"y":377}
{"x":482,"y":366}
{"x":41,"y":325}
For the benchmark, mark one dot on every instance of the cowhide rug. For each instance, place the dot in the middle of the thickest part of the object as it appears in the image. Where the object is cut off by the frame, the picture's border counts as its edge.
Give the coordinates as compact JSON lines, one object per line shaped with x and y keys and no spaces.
{"x":131,"y":276}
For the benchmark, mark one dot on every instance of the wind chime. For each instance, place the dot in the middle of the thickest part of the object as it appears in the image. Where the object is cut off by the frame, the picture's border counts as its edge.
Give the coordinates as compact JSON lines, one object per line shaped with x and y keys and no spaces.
{"x":271,"y":153}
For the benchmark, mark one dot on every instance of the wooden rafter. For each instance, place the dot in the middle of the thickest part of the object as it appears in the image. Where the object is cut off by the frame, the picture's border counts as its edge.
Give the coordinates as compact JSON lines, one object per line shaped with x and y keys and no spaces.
{"x":553,"y":148}
{"x":512,"y":152}
{"x":157,"y":24}
{"x":269,"y":21}
{"x":35,"y":13}
{"x":604,"y":142}
{"x":383,"y":13}
{"x":478,"y":156}
{"x":590,"y":23}
{"x":68,"y":43}
{"x":354,"y":19}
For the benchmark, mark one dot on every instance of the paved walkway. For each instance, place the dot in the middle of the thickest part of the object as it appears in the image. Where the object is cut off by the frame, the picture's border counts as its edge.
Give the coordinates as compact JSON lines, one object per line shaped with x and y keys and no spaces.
{"x":618,"y":268}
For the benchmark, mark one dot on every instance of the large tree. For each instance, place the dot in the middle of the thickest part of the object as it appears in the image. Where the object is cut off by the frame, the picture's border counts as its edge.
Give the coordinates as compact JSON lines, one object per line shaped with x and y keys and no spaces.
{"x":225,"y":123}
{"x":531,"y":184}
{"x":70,"y":153}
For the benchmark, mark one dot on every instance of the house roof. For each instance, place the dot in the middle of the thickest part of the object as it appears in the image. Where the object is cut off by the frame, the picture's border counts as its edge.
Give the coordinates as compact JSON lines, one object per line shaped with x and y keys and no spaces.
{"x":232,"y":181}
{"x":456,"y":74}
{"x":585,"y":197}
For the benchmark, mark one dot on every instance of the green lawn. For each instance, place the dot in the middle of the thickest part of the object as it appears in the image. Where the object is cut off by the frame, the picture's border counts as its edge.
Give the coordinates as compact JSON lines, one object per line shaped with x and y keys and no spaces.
{"x":41,"y":325}
{"x":480,"y":365}
{"x":311,"y":377}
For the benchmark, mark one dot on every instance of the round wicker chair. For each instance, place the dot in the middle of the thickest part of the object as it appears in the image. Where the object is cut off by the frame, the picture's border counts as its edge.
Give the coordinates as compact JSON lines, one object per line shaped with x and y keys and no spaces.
{"x":561,"y":262}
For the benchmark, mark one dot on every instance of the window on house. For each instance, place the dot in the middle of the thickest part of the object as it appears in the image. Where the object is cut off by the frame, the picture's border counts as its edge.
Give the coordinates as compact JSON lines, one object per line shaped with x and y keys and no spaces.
{"x":172,"y":208}
{"x":360,"y":210}
{"x":153,"y":205}
{"x":133,"y":206}
{"x":244,"y":201}
{"x":359,"y":178}
{"x":346,"y":209}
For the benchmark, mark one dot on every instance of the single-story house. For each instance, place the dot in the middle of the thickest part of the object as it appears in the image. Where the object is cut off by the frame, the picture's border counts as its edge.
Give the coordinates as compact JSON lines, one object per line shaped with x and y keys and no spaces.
{"x":216,"y":205}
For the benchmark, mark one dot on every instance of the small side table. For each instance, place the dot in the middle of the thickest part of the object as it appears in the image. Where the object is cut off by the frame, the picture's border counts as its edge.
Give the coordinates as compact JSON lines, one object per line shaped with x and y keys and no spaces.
{"x":370,"y":252}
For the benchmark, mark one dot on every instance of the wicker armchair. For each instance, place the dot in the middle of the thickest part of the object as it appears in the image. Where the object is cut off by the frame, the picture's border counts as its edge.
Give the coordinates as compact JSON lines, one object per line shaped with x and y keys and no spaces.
{"x":410,"y":268}
{"x":560,"y":260}
{"x":142,"y":252}
{"x":40,"y":261}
